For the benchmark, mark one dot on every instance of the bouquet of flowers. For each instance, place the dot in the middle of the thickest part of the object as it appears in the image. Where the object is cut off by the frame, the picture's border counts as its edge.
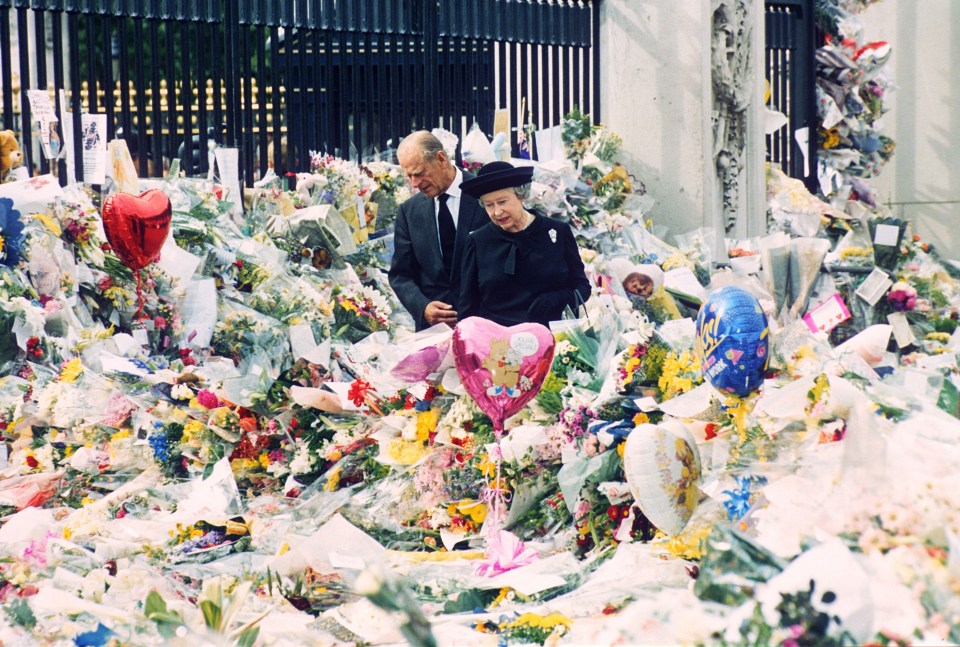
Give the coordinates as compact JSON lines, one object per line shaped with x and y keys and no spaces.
{"x":358,"y":312}
{"x":641,"y":365}
{"x":680,"y":373}
{"x":528,"y":628}
{"x":203,"y":541}
{"x":390,"y":193}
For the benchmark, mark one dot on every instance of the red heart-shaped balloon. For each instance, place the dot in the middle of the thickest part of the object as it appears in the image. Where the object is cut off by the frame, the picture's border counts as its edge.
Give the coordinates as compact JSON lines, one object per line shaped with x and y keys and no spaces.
{"x":137,"y":226}
{"x":502,"y":368}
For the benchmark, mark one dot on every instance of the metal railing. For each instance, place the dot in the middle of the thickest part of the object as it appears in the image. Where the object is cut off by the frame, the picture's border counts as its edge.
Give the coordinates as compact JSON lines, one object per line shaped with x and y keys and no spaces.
{"x":278,"y":78}
{"x":791,"y":33}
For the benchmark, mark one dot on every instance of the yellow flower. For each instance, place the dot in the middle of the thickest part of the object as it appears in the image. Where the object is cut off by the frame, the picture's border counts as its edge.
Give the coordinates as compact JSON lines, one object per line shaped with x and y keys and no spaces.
{"x":641,"y":419}
{"x":427,"y":423}
{"x":333,"y":481}
{"x":67,"y":533}
{"x":487,"y":467}
{"x":544,"y":622}
{"x":85,"y":501}
{"x":504,"y":592}
{"x":689,"y":544}
{"x":71,"y":370}
{"x":118,"y":296}
{"x":476,"y":510}
{"x":49,"y":223}
{"x":348,"y":305}
{"x":406,"y":452}
{"x":123,"y":433}
{"x":192,"y":431}
{"x":831,"y":138}
{"x":264,"y":460}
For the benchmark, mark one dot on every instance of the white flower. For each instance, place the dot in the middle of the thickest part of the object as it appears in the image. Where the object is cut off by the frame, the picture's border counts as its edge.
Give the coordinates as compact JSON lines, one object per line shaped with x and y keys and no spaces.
{"x":440,"y":518}
{"x":181,"y":392}
{"x":302,"y":461}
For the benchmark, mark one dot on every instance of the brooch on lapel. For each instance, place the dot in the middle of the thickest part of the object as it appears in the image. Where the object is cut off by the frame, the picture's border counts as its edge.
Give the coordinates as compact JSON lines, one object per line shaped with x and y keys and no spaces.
{"x":553,"y":235}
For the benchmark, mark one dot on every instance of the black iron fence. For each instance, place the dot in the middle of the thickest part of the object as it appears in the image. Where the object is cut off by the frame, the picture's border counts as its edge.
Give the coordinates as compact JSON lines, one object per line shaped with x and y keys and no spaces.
{"x":279,"y":78}
{"x":791,"y":34}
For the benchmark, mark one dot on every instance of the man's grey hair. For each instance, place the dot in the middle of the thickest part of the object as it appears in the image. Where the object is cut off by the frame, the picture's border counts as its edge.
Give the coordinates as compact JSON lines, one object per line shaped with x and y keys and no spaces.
{"x":423,"y":142}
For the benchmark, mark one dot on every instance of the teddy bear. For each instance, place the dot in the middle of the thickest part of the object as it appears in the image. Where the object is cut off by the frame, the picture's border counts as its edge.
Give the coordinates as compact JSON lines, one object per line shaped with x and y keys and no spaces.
{"x":504,"y":368}
{"x":10,"y":155}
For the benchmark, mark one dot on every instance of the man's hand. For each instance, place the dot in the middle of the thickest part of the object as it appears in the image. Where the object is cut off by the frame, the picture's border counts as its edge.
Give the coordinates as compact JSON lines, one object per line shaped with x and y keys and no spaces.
{"x":440,"y":312}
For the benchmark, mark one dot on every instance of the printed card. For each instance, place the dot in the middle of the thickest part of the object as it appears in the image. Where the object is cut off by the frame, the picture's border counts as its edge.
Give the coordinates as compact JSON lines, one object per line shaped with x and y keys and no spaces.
{"x":874,"y":287}
{"x":828,"y":315}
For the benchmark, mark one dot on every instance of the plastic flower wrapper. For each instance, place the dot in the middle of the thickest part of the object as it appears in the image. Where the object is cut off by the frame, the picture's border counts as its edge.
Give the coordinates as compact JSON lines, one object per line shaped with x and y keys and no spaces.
{"x":241,"y":331}
{"x":733,"y":566}
{"x":596,"y":338}
{"x":852,"y":250}
{"x":288,"y":299}
{"x":793,"y":207}
{"x":806,"y":259}
{"x":476,"y":149}
{"x":605,"y":143}
{"x":575,"y":132}
{"x":416,"y":357}
{"x":775,"y":254}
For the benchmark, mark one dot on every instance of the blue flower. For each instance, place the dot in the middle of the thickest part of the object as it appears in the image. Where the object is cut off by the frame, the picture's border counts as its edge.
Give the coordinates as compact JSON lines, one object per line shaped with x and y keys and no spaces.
{"x":160,"y":446}
{"x":101,"y":636}
{"x":738,"y":501}
{"x":11,"y":230}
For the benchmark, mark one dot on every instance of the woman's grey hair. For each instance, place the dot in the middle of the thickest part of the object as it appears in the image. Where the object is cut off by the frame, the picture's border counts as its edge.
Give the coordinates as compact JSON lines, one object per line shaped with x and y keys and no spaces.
{"x":522,"y":191}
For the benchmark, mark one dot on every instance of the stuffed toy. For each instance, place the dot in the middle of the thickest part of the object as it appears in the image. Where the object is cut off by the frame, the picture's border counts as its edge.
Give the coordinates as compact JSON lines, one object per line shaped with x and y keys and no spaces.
{"x":10,"y":155}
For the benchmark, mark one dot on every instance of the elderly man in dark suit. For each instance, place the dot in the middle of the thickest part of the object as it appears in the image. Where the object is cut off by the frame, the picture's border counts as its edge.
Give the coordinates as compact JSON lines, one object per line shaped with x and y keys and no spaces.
{"x":430,"y":232}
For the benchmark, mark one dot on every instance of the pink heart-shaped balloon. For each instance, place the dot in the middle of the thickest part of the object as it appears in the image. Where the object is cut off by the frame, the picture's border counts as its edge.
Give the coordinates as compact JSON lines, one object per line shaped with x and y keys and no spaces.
{"x":137,"y":226}
{"x":502,"y":368}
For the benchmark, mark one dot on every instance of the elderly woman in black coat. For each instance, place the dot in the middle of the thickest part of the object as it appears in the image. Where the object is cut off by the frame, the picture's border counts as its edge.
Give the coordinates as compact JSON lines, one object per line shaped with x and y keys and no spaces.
{"x":522,"y":266}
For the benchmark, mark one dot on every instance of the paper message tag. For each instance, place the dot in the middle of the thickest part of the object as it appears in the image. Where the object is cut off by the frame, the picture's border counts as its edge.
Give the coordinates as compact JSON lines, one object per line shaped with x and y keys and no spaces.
{"x":140,"y":334}
{"x":886,"y":235}
{"x":874,"y":286}
{"x":828,"y":315}
{"x":901,"y":329}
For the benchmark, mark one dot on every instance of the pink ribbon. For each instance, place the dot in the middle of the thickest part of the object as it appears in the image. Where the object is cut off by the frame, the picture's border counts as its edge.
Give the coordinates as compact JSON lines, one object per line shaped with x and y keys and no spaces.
{"x":505,"y":552}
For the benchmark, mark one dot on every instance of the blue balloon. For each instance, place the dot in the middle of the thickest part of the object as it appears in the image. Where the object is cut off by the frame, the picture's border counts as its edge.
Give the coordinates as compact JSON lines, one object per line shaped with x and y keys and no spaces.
{"x":732,"y":340}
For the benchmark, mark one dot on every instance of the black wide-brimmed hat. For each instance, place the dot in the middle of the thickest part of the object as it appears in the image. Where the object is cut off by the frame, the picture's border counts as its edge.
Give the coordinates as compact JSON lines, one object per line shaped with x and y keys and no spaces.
{"x":495,"y":176}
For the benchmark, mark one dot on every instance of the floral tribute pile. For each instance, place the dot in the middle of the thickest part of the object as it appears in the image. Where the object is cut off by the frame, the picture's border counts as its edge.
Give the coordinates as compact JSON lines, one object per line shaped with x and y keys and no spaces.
{"x":271,"y":455}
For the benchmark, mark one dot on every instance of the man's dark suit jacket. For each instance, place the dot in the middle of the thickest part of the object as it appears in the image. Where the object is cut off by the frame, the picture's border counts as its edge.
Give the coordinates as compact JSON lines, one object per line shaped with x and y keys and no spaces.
{"x":416,"y":273}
